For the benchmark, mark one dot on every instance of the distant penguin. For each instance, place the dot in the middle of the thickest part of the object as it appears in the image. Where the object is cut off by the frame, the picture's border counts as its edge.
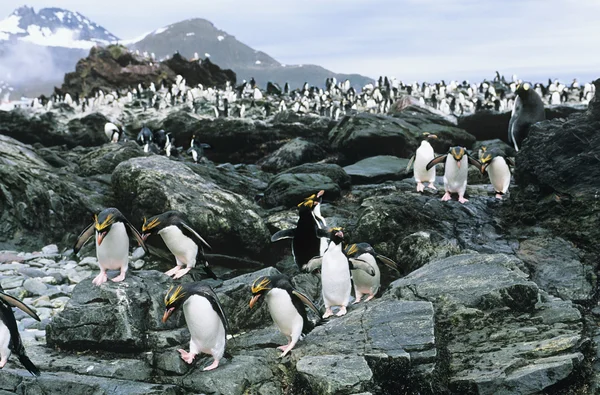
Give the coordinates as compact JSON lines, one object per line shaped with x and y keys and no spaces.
{"x":365,"y":284}
{"x":111,"y":229}
{"x":204,"y":317}
{"x":528,"y":109}
{"x":335,"y":273}
{"x":497,"y":167}
{"x":179,"y":237}
{"x":10,"y":339}
{"x":422,"y":157}
{"x":455,"y":172}
{"x":306,"y":236}
{"x":145,"y":138}
{"x":286,"y":306}
{"x":197,"y":149}
{"x":112,"y":132}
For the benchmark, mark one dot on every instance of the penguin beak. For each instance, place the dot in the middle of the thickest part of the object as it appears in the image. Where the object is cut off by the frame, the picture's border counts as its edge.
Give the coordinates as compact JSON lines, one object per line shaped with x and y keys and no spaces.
{"x":167,"y":314}
{"x":458,"y":163}
{"x":254,"y":300}
{"x":145,"y":236}
{"x":101,"y":236}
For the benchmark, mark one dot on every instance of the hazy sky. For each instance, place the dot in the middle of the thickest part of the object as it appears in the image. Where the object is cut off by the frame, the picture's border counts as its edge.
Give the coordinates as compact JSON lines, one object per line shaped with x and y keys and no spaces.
{"x":408,"y":39}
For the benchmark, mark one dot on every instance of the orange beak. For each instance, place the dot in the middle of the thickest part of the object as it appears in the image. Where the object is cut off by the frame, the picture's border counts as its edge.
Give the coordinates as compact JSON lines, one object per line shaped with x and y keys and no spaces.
{"x":253,"y":300}
{"x":458,"y":163}
{"x":321,"y":193}
{"x":145,"y":236}
{"x":167,"y":314}
{"x":101,"y":236}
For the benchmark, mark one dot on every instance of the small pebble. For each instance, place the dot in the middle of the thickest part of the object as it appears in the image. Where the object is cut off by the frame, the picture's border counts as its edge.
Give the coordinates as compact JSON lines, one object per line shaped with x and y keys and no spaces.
{"x":51,"y":249}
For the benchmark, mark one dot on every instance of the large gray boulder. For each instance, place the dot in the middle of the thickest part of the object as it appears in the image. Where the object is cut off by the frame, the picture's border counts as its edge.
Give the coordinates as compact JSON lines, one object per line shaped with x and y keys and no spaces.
{"x":378,"y":169}
{"x":290,"y":189}
{"x":103,"y":160}
{"x":292,"y":153}
{"x":228,"y":221}
{"x":331,"y":170}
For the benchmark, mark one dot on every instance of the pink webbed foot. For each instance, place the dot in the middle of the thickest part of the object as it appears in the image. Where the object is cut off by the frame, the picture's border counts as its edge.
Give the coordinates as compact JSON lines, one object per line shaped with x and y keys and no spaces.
{"x":420,"y":186}
{"x":182,"y":272}
{"x":342,"y":311}
{"x":212,"y":366}
{"x":3,"y":362}
{"x":173,"y":271}
{"x":287,"y":349}
{"x":328,"y":313}
{"x":188,"y":357}
{"x":100,"y":278}
{"x":432,"y":186}
{"x":371,"y":296}
{"x":358,"y":297}
{"x":462,"y":200}
{"x":499,"y":196}
{"x":120,"y":277}
{"x":446,"y":197}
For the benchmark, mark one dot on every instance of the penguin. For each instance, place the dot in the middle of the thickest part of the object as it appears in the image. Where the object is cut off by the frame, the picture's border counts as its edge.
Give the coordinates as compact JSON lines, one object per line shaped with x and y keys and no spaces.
{"x":144,"y":138}
{"x":112,"y":132}
{"x":497,"y":167}
{"x":161,"y":140}
{"x":10,"y":340}
{"x":286,"y":306}
{"x":335,"y":273}
{"x":365,"y":284}
{"x":527,"y":110}
{"x":306,"y":239}
{"x":455,"y":172}
{"x":112,"y":243}
{"x":204,"y":317}
{"x":419,"y":160}
{"x":183,"y":241}
{"x":197,"y":149}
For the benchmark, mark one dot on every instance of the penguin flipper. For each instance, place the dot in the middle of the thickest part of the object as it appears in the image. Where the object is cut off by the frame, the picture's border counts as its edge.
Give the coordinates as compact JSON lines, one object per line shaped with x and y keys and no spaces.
{"x":194,"y":235}
{"x":134,"y":232}
{"x":26,"y":362}
{"x":436,"y":161}
{"x":210,"y":272}
{"x":510,"y":162}
{"x":359,"y":264}
{"x":306,"y":301}
{"x":283,"y":234}
{"x":410,"y":162}
{"x":14,"y":302}
{"x":313,"y":264}
{"x":387,"y":261}
{"x":474,"y":162}
{"x":83,"y":237}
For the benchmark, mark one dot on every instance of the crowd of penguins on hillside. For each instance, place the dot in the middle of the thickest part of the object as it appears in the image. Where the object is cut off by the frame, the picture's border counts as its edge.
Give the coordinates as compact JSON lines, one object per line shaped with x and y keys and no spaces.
{"x":314,"y":246}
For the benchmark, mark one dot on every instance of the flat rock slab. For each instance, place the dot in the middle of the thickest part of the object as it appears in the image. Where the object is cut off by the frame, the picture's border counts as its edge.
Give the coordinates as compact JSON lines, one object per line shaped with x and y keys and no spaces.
{"x":335,"y":374}
{"x":378,"y":169}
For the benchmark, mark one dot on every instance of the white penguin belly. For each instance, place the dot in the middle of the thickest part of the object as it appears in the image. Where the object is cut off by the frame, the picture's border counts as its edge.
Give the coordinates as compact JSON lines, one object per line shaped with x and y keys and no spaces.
{"x":423,"y":156}
{"x":455,"y":178}
{"x":284,"y":313}
{"x":184,"y":248}
{"x":335,"y":277}
{"x":4,"y":341}
{"x":363,"y":282}
{"x":499,"y":174}
{"x":206,"y":328}
{"x":113,"y":253}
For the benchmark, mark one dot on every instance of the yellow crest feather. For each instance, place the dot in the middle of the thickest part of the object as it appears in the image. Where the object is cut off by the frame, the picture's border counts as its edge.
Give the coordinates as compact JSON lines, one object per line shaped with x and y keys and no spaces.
{"x":173,"y":296}
{"x":260,"y":284}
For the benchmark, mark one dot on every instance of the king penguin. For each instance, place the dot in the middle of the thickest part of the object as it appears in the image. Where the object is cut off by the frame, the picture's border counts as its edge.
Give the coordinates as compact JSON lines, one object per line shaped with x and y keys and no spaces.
{"x":421,"y":158}
{"x":10,"y":340}
{"x":335,"y":273}
{"x":183,"y":241}
{"x":528,"y":109}
{"x":306,"y":236}
{"x":286,"y":306}
{"x":112,"y":242}
{"x":204,"y":317}
{"x":365,"y":284}
{"x":497,"y":167}
{"x":455,"y":172}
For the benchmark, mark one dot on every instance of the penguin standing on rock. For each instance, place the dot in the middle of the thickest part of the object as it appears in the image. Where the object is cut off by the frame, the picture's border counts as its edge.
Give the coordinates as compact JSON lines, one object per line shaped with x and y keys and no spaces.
{"x":335,"y":273}
{"x":197,"y":149}
{"x":421,"y":158}
{"x":497,"y":167}
{"x":204,"y":317}
{"x":455,"y":172}
{"x":528,"y":109}
{"x":145,"y":138}
{"x":112,"y":132}
{"x":183,"y":241}
{"x":286,"y":306}
{"x":10,"y":340}
{"x":112,"y":243}
{"x":365,"y":284}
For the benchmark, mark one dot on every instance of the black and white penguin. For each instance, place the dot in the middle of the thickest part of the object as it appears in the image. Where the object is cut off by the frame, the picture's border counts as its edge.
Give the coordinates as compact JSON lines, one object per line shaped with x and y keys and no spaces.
{"x":497,"y":167}
{"x":527,"y":110}
{"x":419,"y":161}
{"x":365,"y":284}
{"x":306,"y":238}
{"x":10,"y":340}
{"x":335,"y":273}
{"x":112,"y":132}
{"x":183,"y":241}
{"x":204,"y":317}
{"x":197,"y":149}
{"x":112,"y":231}
{"x":455,"y":172}
{"x":286,"y":306}
{"x":145,"y":138}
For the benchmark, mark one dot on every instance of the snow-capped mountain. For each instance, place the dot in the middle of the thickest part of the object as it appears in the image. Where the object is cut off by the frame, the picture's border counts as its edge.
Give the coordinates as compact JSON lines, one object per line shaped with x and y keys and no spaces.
{"x":53,"y":27}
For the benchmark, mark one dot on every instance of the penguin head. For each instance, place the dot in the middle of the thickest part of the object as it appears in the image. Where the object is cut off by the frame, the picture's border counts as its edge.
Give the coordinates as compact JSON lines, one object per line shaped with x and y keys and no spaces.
{"x":312,"y":201}
{"x":104,"y":221}
{"x":260,"y":286}
{"x":336,"y":235}
{"x":429,"y":136}
{"x":458,"y":153}
{"x":155,"y":224}
{"x":523,"y":89}
{"x":174,"y":299}
{"x":355,"y":250}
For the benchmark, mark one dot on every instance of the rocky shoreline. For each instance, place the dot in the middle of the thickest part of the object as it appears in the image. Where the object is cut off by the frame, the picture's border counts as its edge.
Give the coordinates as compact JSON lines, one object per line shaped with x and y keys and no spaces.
{"x":495,"y":296}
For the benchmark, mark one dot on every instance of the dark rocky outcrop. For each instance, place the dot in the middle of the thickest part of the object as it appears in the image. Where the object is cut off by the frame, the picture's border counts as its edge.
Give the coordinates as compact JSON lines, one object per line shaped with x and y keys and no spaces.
{"x":293,"y":153}
{"x":206,"y":72}
{"x":378,"y":169}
